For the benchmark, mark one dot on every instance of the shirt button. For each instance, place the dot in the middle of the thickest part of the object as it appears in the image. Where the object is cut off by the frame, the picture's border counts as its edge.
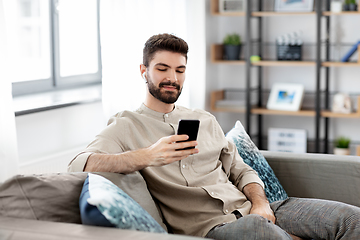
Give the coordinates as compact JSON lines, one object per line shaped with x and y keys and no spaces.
{"x":226,"y":210}
{"x":184,"y":166}
{"x":212,"y":193}
{"x":166,"y":115}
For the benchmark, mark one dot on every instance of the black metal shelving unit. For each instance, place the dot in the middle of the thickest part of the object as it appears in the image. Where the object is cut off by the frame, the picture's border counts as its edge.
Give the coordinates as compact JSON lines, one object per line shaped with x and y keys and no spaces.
{"x":322,"y":96}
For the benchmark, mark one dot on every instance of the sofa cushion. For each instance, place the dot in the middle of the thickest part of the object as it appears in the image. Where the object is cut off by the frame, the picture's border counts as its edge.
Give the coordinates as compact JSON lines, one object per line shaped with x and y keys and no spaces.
{"x":135,"y":186}
{"x":55,"y":197}
{"x":104,"y":204}
{"x":48,"y":197}
{"x":252,"y":156}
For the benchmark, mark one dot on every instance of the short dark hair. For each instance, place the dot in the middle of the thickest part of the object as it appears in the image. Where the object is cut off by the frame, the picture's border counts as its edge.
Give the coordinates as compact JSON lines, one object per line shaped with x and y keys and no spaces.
{"x":161,"y":42}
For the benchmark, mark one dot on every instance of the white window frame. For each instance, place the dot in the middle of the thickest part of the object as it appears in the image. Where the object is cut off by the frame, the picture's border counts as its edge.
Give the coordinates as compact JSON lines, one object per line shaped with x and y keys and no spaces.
{"x":56,"y":82}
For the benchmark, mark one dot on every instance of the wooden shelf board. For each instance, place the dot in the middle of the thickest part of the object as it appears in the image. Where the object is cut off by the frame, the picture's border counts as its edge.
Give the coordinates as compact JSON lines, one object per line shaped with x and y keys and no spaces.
{"x":264,"y":111}
{"x":229,"y":109}
{"x":284,"y":63}
{"x":229,"y":14}
{"x":271,"y":14}
{"x":220,"y":94}
{"x":340,"y":64}
{"x":330,"y":114}
{"x":231,"y":62}
{"x":356,"y":114}
{"x":327,"y":13}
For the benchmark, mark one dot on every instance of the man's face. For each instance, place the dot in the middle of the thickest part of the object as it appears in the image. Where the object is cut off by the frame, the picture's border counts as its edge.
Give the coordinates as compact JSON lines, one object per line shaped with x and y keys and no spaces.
{"x":166,"y":75}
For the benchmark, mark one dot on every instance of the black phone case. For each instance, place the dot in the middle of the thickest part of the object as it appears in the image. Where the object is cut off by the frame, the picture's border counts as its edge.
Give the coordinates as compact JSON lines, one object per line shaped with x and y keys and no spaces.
{"x":190,"y":128}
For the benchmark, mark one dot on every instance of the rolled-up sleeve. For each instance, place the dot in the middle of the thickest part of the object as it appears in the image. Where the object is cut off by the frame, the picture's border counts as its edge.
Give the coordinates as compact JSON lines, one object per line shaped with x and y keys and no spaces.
{"x":239,"y":173}
{"x":106,"y":142}
{"x":79,"y":162}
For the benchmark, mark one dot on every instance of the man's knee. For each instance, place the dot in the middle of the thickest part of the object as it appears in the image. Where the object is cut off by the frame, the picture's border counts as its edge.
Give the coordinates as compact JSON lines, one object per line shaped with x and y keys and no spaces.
{"x":249,"y":227}
{"x":257,"y":226}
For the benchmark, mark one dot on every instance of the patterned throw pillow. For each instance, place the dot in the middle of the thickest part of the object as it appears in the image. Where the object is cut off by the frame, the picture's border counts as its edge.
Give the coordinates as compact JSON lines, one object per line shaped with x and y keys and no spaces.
{"x":104,"y":204}
{"x":252,"y":156}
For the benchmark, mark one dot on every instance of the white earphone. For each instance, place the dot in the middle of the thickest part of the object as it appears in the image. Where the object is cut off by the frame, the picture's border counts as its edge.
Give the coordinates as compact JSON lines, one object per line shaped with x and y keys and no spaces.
{"x":143,"y":75}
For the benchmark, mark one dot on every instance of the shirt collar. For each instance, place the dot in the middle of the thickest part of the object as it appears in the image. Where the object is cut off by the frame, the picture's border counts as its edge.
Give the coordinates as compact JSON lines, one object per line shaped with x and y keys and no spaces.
{"x":159,"y":115}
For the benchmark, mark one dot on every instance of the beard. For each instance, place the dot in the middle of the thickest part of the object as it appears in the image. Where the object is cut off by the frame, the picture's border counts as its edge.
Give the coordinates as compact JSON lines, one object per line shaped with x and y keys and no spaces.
{"x":168,"y":97}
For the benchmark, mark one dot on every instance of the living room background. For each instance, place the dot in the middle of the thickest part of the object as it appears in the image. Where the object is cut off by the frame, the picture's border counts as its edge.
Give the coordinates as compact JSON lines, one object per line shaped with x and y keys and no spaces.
{"x":48,"y":140}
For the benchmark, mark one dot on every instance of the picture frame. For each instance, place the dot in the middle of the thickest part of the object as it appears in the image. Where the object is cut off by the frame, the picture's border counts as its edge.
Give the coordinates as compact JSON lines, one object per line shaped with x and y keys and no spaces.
{"x":286,"y":97}
{"x":232,"y":6}
{"x":294,"y":5}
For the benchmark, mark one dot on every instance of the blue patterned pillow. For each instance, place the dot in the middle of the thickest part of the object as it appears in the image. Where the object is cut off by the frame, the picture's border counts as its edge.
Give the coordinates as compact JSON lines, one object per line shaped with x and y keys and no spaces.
{"x":104,"y":204}
{"x":252,"y":156}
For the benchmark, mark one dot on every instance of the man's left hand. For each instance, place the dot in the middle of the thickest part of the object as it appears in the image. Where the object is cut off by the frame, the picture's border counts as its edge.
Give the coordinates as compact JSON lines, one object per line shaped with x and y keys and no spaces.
{"x":260,"y":205}
{"x":264,"y":211}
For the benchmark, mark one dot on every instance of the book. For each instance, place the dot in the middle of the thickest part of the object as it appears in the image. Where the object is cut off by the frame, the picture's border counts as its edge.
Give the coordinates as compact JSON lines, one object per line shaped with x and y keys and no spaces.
{"x":348,"y":55}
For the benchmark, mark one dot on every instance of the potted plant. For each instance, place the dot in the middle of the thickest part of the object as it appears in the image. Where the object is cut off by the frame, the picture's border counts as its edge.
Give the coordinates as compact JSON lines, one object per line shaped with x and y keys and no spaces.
{"x":350,"y":5}
{"x":342,"y":146}
{"x":232,"y":46}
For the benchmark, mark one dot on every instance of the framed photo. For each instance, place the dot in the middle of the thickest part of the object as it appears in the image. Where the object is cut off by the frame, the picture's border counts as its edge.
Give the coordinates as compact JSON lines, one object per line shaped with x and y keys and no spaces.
{"x":286,"y":96}
{"x":232,"y":5}
{"x":287,"y":140}
{"x":294,"y":5}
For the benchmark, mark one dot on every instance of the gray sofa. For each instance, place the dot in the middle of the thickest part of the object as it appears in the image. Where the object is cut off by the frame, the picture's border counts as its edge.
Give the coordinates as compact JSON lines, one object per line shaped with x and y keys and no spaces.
{"x":46,"y":206}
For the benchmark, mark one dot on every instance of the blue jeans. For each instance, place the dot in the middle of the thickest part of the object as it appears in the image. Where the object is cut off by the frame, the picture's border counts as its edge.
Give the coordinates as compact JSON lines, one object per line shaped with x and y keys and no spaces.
{"x":305,"y":218}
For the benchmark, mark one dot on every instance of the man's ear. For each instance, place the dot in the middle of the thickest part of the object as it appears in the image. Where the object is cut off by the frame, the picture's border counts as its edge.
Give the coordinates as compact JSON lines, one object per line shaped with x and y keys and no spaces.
{"x":144,"y":77}
{"x":143,"y":72}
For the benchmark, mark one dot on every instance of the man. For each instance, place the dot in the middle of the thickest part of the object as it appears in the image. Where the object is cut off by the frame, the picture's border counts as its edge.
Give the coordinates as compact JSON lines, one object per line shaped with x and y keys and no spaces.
{"x":206,"y":191}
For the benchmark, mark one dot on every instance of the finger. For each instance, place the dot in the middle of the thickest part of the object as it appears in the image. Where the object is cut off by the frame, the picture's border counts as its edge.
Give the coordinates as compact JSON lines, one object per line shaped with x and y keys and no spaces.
{"x":180,"y":155}
{"x":186,"y":152}
{"x":177,"y":138}
{"x":179,"y":146}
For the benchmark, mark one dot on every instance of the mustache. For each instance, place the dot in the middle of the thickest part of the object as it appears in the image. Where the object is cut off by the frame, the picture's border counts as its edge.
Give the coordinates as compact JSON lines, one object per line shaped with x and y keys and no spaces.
{"x":169,"y":83}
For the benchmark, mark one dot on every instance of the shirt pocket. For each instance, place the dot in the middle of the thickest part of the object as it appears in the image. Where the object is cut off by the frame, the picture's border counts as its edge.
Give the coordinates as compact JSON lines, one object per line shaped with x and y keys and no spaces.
{"x":206,"y":162}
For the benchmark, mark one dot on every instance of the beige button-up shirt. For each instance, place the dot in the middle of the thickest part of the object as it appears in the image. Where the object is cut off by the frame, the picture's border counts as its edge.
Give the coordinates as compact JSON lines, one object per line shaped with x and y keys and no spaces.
{"x":194,"y":194}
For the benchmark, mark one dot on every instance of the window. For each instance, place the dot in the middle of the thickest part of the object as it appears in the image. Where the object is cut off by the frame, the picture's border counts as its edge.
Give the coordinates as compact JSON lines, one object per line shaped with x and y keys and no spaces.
{"x":54,"y":44}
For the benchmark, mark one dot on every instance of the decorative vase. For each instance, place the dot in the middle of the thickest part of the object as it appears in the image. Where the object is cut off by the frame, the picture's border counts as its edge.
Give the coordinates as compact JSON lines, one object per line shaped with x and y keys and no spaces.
{"x":232,"y":52}
{"x":352,"y":7}
{"x":342,"y":151}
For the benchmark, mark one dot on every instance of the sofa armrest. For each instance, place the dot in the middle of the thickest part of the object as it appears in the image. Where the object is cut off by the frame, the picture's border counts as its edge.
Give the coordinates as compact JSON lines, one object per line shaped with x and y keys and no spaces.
{"x":19,"y":229}
{"x":322,"y":176}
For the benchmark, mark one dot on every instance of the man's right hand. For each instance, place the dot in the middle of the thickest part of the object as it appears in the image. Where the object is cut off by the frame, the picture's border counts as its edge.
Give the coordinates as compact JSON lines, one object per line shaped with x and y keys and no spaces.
{"x":164,"y":152}
{"x":161,"y":153}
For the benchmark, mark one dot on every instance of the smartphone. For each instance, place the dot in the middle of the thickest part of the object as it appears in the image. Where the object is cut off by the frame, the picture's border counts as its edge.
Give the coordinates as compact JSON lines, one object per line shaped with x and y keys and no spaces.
{"x":189,"y":127}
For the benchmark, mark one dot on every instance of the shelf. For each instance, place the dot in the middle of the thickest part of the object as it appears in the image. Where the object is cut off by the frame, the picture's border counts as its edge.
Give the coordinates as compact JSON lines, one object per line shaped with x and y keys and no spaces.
{"x":340,"y":64}
{"x":264,"y":111}
{"x":330,"y":114}
{"x":284,"y":63}
{"x":215,"y":11}
{"x":217,"y":56}
{"x":274,"y":14}
{"x":219,"y":95}
{"x":344,"y":64}
{"x":327,"y":13}
{"x":356,"y":114}
{"x":229,"y":14}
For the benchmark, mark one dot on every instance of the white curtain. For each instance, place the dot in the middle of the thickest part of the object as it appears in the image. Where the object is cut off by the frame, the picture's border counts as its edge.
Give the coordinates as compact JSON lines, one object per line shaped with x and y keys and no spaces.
{"x":125,"y":25}
{"x":8,"y":143}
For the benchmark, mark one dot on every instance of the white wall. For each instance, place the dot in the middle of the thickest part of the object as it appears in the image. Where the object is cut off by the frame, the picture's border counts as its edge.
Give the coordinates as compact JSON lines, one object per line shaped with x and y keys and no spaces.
{"x":47,"y":141}
{"x":344,"y":79}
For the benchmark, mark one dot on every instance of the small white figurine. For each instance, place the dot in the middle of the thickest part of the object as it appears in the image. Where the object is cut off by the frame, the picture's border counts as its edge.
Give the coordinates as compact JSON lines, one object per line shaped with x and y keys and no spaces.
{"x":342,"y":103}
